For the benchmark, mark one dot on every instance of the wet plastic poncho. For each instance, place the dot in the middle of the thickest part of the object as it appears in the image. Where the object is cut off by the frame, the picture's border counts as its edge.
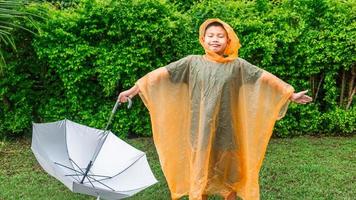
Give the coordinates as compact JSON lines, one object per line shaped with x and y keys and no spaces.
{"x":212,"y":118}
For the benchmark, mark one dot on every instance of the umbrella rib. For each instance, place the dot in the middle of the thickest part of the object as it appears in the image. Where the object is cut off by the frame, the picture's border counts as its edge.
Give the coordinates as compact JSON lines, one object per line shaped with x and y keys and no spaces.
{"x":77,"y":173}
{"x":71,"y":175}
{"x":66,"y":167}
{"x":80,"y":170}
{"x":90,"y":173}
{"x":91,"y":183}
{"x":102,"y":179}
{"x":100,"y":182}
{"x":101,"y":176}
{"x":105,"y":177}
{"x":72,"y":161}
{"x":82,"y":173}
{"x":76,"y":165}
{"x":70,"y":169}
{"x":129,"y":166}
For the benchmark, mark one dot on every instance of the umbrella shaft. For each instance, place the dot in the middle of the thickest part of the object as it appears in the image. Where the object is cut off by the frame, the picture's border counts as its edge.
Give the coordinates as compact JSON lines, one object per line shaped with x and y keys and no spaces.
{"x":86,"y":171}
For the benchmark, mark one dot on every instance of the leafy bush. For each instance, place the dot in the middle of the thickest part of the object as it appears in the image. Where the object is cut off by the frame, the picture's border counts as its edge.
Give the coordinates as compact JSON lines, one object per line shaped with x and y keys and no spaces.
{"x":340,"y":121}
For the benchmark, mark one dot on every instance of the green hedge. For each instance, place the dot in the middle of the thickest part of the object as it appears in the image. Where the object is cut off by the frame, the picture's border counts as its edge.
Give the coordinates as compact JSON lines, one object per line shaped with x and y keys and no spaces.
{"x":84,"y":55}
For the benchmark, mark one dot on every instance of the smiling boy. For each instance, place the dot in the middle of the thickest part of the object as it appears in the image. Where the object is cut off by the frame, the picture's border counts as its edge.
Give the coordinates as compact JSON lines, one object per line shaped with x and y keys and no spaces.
{"x":216,"y":38}
{"x":212,"y":117}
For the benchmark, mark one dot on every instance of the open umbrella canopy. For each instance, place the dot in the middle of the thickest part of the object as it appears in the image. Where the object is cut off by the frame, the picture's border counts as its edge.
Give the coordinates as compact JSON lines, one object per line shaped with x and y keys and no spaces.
{"x":64,"y":149}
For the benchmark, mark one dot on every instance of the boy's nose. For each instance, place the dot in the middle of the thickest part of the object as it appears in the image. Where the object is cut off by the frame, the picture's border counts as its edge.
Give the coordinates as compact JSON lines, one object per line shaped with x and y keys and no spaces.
{"x":215,"y":39}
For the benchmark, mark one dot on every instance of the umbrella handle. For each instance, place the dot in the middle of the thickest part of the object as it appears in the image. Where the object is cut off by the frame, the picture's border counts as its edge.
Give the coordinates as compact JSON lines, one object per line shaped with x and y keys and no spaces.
{"x":105,"y":134}
{"x":117,"y":104}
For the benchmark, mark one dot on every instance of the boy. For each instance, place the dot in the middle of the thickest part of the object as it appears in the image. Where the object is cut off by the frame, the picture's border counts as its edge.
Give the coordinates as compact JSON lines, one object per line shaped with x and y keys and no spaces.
{"x":212,"y":117}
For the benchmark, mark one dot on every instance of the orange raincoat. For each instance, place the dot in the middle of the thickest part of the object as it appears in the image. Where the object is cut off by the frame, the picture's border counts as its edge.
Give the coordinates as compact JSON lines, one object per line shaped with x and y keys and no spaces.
{"x":212,"y":118}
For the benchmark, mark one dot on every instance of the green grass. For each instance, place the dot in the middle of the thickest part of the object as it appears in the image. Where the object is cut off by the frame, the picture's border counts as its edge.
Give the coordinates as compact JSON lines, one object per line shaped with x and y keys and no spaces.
{"x":298,"y":168}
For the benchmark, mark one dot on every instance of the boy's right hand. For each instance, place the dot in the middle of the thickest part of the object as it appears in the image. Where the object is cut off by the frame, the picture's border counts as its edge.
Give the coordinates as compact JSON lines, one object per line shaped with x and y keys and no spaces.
{"x":123,"y":96}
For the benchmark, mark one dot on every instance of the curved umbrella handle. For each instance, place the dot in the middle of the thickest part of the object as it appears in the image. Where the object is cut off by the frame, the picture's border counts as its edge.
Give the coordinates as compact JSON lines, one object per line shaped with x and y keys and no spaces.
{"x":130,"y":102}
{"x":118,"y":103}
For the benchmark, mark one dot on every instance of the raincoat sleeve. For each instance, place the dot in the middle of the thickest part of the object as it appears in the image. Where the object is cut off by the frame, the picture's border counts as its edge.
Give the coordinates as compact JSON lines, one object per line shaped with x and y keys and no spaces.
{"x":167,"y":102}
{"x":163,"y":79}
{"x":282,"y":89}
{"x":278,"y":88}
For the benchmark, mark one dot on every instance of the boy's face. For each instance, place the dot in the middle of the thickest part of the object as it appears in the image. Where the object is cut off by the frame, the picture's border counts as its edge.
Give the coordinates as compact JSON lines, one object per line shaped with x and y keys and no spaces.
{"x":215,"y":39}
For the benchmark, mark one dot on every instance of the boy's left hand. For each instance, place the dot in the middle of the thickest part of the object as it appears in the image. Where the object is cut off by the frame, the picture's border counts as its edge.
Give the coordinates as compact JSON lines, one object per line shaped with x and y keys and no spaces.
{"x":300,"y":97}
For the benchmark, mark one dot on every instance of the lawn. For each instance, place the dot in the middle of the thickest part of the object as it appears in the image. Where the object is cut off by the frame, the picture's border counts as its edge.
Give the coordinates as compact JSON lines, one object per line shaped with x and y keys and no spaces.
{"x":295,"y":168}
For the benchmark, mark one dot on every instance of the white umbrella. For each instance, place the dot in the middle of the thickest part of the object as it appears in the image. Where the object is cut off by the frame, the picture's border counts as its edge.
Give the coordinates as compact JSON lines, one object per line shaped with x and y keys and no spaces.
{"x":91,"y":161}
